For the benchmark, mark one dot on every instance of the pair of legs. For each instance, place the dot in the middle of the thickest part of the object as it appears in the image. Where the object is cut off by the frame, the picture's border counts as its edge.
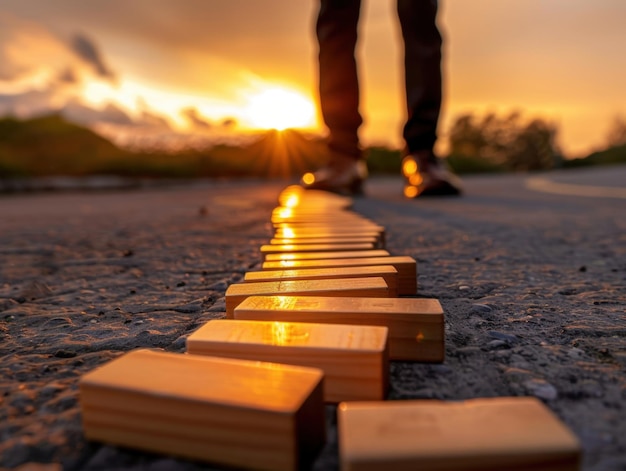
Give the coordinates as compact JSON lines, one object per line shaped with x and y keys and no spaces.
{"x":338,"y":81}
{"x":336,"y":29}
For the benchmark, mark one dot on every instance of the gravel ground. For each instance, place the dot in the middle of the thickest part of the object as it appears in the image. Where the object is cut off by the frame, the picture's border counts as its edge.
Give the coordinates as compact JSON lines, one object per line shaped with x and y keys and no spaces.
{"x":533,"y":288}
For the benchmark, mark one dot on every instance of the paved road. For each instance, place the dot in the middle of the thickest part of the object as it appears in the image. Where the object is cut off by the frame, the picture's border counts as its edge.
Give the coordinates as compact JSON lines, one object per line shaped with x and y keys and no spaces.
{"x":533,"y":283}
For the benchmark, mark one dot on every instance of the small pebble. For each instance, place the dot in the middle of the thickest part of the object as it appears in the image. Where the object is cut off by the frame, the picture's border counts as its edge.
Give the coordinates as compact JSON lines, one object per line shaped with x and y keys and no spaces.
{"x":467,"y":351}
{"x":480,"y":309}
{"x":575,"y":353}
{"x":541,"y":389}
{"x":496,"y":344}
{"x":508,"y":338}
{"x":218,"y":286}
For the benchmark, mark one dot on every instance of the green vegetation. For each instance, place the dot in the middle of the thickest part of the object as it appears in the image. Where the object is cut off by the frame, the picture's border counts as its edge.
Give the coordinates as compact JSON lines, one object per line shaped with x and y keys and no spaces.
{"x":610,"y":156}
{"x":50,"y":145}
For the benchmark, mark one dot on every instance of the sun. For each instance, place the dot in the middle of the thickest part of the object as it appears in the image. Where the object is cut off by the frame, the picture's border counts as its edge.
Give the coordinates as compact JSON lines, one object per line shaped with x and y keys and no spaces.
{"x":279,"y":108}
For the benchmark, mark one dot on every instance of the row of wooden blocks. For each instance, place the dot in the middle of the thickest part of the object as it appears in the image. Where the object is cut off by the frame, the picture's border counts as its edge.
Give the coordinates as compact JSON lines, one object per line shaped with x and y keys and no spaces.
{"x":318,"y":324}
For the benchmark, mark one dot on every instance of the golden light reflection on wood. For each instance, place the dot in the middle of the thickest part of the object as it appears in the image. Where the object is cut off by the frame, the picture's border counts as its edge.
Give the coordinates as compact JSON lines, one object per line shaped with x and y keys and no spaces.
{"x":367,"y":287}
{"x":416,"y":325}
{"x":285,"y":212}
{"x":354,"y":358}
{"x":295,"y":249}
{"x":327,"y":255}
{"x":405,"y":265}
{"x":292,"y":201}
{"x":387,"y":272}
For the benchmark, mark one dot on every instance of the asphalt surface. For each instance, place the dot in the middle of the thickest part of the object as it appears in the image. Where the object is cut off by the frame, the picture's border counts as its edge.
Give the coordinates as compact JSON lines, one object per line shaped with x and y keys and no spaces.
{"x":531,"y":271}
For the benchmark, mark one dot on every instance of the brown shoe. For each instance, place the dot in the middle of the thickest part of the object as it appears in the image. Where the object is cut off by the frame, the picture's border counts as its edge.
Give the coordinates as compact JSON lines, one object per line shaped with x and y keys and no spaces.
{"x":426,"y":175}
{"x":343,"y":175}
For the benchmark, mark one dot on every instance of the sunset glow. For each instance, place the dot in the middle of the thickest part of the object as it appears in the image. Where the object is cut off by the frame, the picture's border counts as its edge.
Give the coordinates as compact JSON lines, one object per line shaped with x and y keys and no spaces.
{"x":279,"y":108}
{"x":240,"y":66}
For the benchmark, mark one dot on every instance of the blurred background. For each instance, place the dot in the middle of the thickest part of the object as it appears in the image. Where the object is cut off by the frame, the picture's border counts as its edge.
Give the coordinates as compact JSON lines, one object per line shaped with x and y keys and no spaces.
{"x":227,"y":88}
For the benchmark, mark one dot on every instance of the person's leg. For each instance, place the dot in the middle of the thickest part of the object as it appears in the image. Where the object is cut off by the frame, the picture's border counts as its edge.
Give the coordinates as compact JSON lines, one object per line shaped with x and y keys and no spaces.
{"x":336,"y":30}
{"x":425,"y":174}
{"x":422,"y":62}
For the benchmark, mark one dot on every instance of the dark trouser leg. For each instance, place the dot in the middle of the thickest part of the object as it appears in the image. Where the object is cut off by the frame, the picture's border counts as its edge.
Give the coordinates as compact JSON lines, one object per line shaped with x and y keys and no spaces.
{"x":422,"y":60}
{"x":338,"y":82}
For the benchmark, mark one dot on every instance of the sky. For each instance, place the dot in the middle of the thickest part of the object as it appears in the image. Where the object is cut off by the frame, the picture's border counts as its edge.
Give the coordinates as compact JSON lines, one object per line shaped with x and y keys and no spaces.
{"x":214,"y":68}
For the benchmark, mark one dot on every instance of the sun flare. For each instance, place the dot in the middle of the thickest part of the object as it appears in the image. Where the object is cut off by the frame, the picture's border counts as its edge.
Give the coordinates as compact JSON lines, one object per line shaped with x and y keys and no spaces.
{"x":280,"y":108}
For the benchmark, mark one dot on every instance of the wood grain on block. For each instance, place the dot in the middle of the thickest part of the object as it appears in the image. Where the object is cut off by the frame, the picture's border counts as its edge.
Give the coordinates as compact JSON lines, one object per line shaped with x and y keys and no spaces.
{"x":298,"y":248}
{"x":387,"y":272}
{"x":354,"y":358}
{"x":327,"y":255}
{"x":336,"y":225}
{"x":373,"y":287}
{"x":325,"y":231}
{"x":317,"y":218}
{"x":328,"y":240}
{"x":231,"y":412}
{"x":406,"y":267}
{"x":494,"y":434}
{"x":303,"y":236}
{"x":416,"y":325}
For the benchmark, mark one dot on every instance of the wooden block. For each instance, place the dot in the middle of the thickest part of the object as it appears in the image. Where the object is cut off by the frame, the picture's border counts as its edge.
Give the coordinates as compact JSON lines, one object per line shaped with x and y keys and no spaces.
{"x":329,"y":228}
{"x":416,"y":325}
{"x":327,"y":240}
{"x":366,"y":287}
{"x":387,"y":272}
{"x":354,"y":358}
{"x":493,"y":434}
{"x":273,"y":257}
{"x":326,"y":231}
{"x":406,"y":267}
{"x":229,"y":412}
{"x":321,"y":218}
{"x":296,"y":196}
{"x":300,"y":248}
{"x":337,"y":225}
{"x":303,"y":236}
{"x":284,"y":213}
{"x":313,"y":210}
{"x":312,"y":227}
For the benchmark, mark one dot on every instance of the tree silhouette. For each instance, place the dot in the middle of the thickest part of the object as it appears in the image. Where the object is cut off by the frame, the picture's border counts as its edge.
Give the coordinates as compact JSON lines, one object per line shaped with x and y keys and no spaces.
{"x":617,"y":132}
{"x":508,"y":142}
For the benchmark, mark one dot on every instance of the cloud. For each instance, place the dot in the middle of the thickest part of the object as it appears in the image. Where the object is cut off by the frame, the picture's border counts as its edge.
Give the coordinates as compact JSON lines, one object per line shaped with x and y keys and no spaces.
{"x":32,"y":56}
{"x":77,"y":112}
{"x":194,"y":118}
{"x":27,"y":104}
{"x":86,"y":50}
{"x":152,"y":120}
{"x":41,"y":72}
{"x":68,"y":75}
